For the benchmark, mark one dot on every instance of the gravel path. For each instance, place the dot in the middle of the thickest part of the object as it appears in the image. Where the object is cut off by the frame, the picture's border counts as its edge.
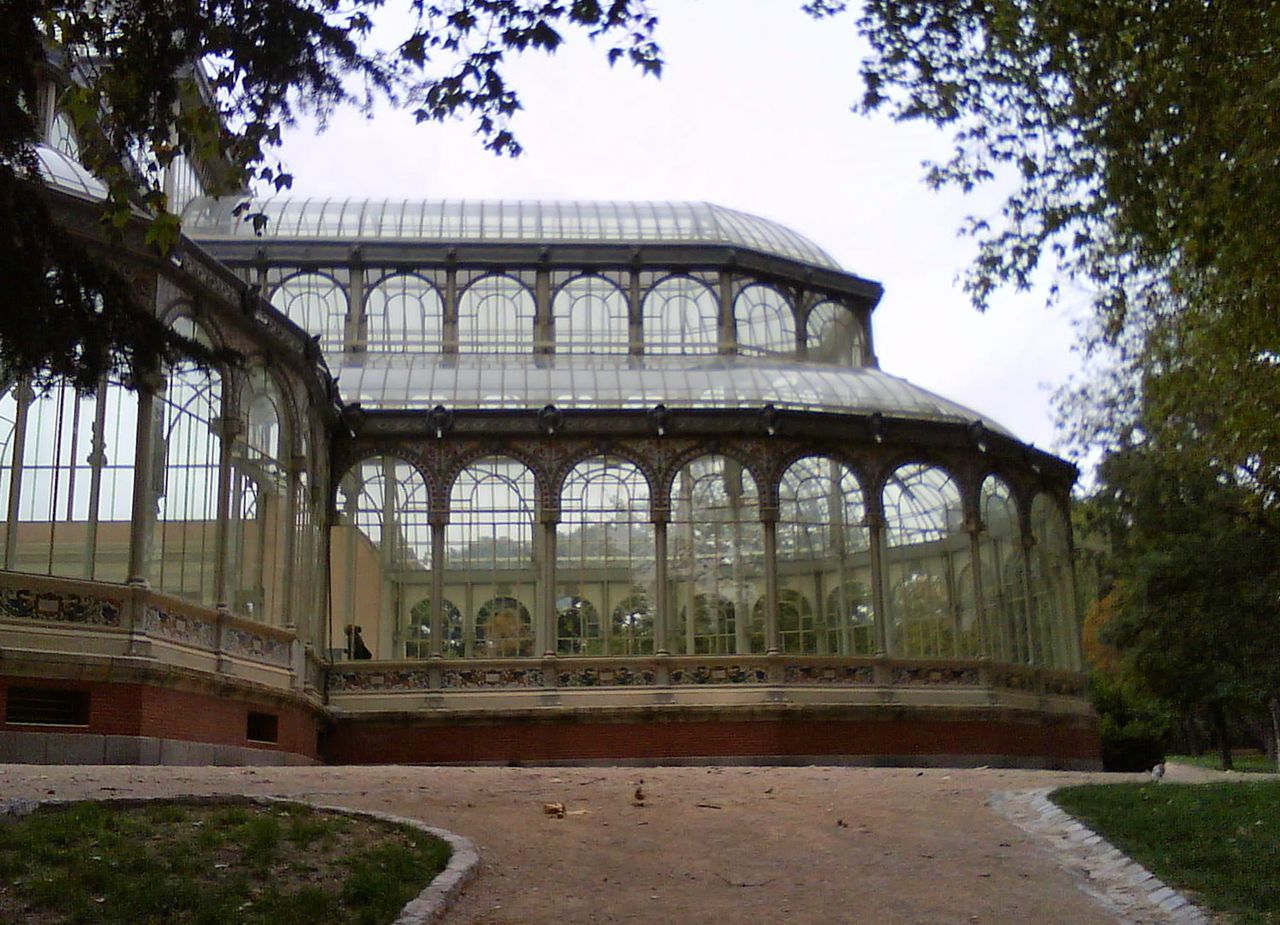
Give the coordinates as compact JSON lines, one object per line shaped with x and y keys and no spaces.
{"x":793,"y":845}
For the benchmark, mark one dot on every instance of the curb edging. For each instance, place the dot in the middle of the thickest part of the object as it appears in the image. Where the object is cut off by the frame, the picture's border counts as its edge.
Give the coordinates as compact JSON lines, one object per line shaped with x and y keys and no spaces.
{"x":1109,"y":875}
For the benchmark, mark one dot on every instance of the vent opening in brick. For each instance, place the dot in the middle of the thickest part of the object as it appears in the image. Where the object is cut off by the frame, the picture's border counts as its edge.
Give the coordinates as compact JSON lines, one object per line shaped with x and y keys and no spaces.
{"x":262,"y":727}
{"x":47,"y":706}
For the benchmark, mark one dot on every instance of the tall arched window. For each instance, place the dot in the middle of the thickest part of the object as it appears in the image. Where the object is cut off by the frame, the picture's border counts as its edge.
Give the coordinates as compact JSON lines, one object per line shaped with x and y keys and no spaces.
{"x":316,"y":303}
{"x":379,"y":552}
{"x":1052,"y":589}
{"x":833,"y":334}
{"x":591,"y":316}
{"x":404,"y":314}
{"x":765,"y":322}
{"x":75,"y":491}
{"x":716,"y":567}
{"x":495,"y":315}
{"x":491,"y":556}
{"x":417,"y":641}
{"x":188,"y":413}
{"x":260,"y":515}
{"x":927,"y":547}
{"x":1003,"y":588}
{"x":681,"y":316}
{"x":823,"y":555}
{"x":8,"y":438}
{"x":605,"y":555}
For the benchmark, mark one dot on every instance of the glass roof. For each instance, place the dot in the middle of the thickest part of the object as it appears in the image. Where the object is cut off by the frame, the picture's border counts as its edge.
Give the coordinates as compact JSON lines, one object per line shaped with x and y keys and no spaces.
{"x":416,"y":382}
{"x":66,"y":174}
{"x":512,"y":221}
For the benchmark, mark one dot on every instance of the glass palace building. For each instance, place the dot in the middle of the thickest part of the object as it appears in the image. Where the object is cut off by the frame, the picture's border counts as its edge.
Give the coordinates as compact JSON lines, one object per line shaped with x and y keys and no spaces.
{"x":522,"y":482}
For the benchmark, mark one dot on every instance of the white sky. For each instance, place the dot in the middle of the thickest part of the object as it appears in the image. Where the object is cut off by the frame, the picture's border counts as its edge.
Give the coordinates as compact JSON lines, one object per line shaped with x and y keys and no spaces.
{"x":753,"y":113}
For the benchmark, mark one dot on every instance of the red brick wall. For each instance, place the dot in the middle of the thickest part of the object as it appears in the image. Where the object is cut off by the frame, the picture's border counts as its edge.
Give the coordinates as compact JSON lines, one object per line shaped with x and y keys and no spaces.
{"x":166,"y":713}
{"x":373,"y":742}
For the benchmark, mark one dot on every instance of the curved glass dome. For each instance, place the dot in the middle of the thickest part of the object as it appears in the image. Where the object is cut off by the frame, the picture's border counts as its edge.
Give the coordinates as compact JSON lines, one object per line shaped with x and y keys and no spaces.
{"x":513,"y":221}
{"x":415,"y":382}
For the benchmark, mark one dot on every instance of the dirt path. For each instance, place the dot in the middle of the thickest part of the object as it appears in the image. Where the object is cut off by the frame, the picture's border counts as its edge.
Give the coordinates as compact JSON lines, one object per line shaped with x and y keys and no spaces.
{"x":793,"y":845}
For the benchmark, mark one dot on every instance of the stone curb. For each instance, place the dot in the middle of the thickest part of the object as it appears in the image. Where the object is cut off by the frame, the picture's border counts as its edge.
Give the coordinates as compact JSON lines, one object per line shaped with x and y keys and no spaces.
{"x":1121,"y":884}
{"x":427,"y":907}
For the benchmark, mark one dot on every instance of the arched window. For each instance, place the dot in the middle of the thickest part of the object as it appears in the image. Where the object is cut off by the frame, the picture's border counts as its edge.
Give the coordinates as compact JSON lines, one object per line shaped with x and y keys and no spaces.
{"x":316,"y":303}
{"x":1052,"y":590}
{"x":591,"y":316}
{"x":631,"y":627}
{"x":578,"y":630}
{"x":417,"y":642}
{"x":490,"y":553}
{"x":504,"y":629}
{"x":681,"y":316}
{"x":1003,"y":587}
{"x":379,"y":549}
{"x":823,"y":554}
{"x":308,"y":573}
{"x":8,"y":438}
{"x":260,"y":501}
{"x":717,"y":558}
{"x":765,"y":322}
{"x":833,"y":334}
{"x":404,"y":314}
{"x":850,"y":621}
{"x":605,"y":553}
{"x":76,"y":479}
{"x":495,"y":315}
{"x":927,"y":547}
{"x":189,"y":413}
{"x":796,"y":625}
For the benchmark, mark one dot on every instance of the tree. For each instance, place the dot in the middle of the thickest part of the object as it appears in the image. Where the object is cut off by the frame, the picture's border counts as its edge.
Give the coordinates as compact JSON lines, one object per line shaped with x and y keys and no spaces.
{"x":147,"y":80}
{"x":1139,"y":139}
{"x":1195,"y":607}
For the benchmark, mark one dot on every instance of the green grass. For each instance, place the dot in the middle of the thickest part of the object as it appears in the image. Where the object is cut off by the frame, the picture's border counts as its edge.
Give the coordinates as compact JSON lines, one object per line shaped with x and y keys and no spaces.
{"x":282,"y":864}
{"x":1246,"y":764}
{"x":1219,"y":842}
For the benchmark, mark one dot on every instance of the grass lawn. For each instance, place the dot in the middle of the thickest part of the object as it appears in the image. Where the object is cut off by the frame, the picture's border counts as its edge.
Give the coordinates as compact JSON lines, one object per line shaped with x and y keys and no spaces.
{"x":1246,"y":764}
{"x":1220,"y":842}
{"x":247,"y":864}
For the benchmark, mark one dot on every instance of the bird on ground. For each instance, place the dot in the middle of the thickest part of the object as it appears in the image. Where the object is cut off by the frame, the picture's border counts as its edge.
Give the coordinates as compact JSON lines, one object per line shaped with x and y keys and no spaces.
{"x":1157,"y":773}
{"x":637,"y":798}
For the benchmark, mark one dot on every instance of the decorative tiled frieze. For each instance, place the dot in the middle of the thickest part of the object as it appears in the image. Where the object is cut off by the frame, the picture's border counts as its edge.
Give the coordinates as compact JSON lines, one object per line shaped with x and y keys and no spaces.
{"x":1015,"y":679}
{"x":619,"y":676}
{"x":1065,"y":685}
{"x":492,"y":677}
{"x":409,"y":679}
{"x":720,"y":674}
{"x":59,"y":607}
{"x":181,"y":628}
{"x":255,"y":646}
{"x":829,"y":674}
{"x":938,"y":675}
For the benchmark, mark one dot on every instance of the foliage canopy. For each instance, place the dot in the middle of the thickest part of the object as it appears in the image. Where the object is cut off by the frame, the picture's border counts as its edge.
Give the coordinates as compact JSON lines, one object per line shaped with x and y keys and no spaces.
{"x":1139,"y":138}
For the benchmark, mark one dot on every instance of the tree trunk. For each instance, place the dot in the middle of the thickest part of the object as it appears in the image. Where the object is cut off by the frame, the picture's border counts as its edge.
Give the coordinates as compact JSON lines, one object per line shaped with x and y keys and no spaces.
{"x":1275,"y":730}
{"x":1219,"y":720}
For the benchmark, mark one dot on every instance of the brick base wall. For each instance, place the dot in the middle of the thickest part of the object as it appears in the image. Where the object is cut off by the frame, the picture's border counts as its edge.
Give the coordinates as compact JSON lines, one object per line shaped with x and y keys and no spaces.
{"x":896,"y":739}
{"x":159,"y":712}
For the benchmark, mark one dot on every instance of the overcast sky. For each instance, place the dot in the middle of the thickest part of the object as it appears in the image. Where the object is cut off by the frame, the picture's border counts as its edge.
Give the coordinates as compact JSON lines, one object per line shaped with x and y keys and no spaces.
{"x":752,"y":112}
